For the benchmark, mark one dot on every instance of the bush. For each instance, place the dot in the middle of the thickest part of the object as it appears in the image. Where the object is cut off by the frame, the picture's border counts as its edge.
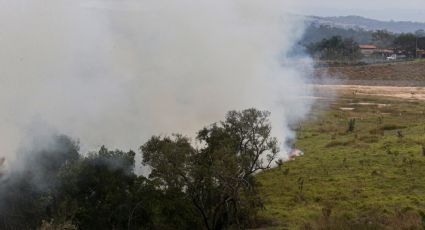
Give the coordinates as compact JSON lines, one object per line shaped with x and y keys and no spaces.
{"x":351,"y":125}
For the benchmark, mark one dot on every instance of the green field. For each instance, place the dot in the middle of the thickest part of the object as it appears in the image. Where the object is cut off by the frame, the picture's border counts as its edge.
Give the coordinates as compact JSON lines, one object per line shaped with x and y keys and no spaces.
{"x":370,"y":178}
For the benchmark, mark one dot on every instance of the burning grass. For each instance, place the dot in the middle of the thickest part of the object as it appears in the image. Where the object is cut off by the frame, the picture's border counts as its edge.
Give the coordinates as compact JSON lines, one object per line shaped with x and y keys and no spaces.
{"x":377,"y":168}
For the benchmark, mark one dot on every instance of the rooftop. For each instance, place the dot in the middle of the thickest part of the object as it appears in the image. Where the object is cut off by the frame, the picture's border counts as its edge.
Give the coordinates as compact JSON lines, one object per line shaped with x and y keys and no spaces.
{"x":368,"y":47}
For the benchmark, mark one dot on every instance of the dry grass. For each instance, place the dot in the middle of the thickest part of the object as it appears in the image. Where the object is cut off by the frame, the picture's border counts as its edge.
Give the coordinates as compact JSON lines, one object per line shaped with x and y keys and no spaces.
{"x":399,"y":74}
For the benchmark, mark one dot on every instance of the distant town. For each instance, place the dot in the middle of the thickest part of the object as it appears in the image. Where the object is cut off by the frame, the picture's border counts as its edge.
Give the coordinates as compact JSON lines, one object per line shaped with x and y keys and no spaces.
{"x":333,"y":42}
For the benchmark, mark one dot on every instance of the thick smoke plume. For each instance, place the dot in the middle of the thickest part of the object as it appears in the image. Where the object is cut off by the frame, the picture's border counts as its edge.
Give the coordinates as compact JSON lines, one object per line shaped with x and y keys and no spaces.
{"x":117,"y":72}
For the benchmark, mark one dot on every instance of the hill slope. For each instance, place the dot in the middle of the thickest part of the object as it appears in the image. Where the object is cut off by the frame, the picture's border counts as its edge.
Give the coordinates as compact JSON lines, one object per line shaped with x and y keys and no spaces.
{"x":368,"y":24}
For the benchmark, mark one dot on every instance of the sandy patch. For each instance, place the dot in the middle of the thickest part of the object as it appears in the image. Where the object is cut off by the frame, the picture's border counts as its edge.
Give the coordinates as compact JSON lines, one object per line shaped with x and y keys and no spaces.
{"x":413,"y":93}
{"x":346,"y":109}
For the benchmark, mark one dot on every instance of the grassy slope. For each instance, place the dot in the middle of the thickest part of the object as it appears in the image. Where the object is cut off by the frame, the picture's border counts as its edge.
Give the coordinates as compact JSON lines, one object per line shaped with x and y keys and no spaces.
{"x":351,"y":173}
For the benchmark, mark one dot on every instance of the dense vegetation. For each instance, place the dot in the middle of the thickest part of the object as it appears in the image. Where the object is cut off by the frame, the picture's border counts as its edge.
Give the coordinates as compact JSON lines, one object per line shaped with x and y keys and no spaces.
{"x":207,"y":187}
{"x":335,"y":48}
{"x":362,"y":169}
{"x":316,"y":33}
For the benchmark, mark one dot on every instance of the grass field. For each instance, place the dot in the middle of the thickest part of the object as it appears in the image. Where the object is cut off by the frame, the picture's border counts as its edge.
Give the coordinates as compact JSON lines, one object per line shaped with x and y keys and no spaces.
{"x":372,"y":177}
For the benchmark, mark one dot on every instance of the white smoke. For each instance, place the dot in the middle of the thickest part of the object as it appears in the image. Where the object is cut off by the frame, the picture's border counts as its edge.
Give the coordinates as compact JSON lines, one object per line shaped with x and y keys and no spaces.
{"x":117,"y":72}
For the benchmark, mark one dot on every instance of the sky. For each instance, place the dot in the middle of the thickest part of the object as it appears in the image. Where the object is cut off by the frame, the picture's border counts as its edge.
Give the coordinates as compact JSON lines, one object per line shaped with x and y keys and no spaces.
{"x":406,"y":10}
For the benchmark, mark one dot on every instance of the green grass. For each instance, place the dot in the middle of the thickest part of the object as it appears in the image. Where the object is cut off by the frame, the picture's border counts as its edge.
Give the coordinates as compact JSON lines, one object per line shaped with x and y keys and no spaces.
{"x":351,"y":174}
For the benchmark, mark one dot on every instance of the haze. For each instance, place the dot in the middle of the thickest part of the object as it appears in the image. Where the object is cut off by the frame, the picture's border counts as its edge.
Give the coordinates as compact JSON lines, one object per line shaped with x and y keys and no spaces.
{"x":378,"y":9}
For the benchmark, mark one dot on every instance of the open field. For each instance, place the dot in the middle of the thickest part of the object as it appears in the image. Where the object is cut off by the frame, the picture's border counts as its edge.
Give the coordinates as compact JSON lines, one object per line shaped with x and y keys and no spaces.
{"x":371,"y":177}
{"x":389,"y":74}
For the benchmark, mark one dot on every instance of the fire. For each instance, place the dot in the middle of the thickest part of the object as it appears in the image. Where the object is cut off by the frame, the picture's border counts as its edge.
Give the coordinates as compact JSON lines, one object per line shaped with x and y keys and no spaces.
{"x":294,"y":153}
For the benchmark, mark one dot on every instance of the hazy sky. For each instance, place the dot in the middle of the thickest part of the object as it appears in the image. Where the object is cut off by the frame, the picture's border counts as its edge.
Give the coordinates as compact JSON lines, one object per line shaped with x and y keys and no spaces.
{"x":406,"y":10}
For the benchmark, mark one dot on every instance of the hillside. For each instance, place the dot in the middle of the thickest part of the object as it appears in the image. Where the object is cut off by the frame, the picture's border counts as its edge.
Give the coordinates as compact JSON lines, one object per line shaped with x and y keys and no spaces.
{"x":357,"y":22}
{"x":396,"y":74}
{"x":371,"y":178}
{"x":317,"y":32}
{"x":360,"y":29}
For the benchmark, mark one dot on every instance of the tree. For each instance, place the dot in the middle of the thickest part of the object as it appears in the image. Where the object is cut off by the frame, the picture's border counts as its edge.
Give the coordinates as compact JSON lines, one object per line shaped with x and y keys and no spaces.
{"x":210,"y":186}
{"x":383,"y":38}
{"x":101,"y":191}
{"x":420,"y":39}
{"x":28,"y":196}
{"x":406,"y":42}
{"x":57,"y":188}
{"x":335,"y":48}
{"x":217,"y":178}
{"x":420,"y":33}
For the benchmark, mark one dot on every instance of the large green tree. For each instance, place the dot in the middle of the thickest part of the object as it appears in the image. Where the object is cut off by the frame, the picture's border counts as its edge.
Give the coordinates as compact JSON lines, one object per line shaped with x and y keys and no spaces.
{"x":217,"y":178}
{"x":208,"y":183}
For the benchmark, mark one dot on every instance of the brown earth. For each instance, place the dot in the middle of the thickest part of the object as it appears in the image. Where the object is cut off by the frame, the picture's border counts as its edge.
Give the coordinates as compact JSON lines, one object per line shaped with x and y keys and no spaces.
{"x":390,"y":74}
{"x":403,"y":80}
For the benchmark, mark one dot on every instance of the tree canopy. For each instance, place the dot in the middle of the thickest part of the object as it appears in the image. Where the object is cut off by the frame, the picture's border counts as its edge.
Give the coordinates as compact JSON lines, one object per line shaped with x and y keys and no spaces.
{"x":207,"y":183}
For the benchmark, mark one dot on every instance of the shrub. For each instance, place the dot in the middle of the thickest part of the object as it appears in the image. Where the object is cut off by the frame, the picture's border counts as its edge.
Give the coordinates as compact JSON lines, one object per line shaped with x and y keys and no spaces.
{"x":351,"y":125}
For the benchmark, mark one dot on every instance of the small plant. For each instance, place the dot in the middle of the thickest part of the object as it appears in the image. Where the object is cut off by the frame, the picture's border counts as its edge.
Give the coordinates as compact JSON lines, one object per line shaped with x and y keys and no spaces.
{"x":408,"y":161}
{"x":351,"y":125}
{"x":344,"y":162}
{"x":388,"y":150}
{"x":400,"y":134}
{"x":326,"y":212}
{"x":376,"y":173}
{"x":300,"y":182}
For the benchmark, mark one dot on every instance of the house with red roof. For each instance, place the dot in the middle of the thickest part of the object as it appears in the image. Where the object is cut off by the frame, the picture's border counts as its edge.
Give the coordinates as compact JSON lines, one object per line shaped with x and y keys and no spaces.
{"x":368,"y":50}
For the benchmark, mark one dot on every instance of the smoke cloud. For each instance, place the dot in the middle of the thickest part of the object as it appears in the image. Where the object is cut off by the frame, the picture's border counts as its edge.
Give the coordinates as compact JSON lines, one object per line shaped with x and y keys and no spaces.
{"x":117,"y":72}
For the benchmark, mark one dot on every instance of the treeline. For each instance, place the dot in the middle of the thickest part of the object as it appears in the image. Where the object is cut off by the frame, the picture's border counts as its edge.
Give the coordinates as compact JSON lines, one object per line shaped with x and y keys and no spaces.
{"x":406,"y":41}
{"x":335,"y":48}
{"x":343,"y":44}
{"x":315,"y":33}
{"x":189,"y":187}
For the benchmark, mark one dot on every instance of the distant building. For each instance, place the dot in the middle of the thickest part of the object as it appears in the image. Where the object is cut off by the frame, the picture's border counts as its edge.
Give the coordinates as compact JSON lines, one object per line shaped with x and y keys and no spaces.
{"x":420,"y":53}
{"x":367,"y":50}
{"x":384,"y":52}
